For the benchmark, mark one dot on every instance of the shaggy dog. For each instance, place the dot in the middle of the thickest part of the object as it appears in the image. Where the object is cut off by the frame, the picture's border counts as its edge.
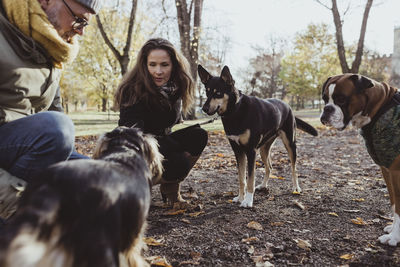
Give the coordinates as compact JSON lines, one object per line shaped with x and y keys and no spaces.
{"x":88,"y":212}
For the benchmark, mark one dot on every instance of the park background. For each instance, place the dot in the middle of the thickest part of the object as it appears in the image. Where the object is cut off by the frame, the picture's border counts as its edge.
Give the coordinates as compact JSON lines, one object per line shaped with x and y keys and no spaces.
{"x":274,"y":48}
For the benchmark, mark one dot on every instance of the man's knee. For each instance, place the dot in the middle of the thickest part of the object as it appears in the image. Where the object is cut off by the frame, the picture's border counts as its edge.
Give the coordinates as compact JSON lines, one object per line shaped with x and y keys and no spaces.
{"x":58,"y":131}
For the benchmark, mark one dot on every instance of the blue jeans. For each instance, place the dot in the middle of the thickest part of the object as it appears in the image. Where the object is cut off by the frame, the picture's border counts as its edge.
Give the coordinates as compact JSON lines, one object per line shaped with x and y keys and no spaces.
{"x":32,"y":143}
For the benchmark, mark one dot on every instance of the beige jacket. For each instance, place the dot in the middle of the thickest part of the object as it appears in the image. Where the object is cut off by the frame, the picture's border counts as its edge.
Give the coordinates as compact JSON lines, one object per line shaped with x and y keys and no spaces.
{"x":29,"y":83}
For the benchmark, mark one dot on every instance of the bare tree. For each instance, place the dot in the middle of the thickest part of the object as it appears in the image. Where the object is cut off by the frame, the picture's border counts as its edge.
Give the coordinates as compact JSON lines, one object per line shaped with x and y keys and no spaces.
{"x":355,"y":66}
{"x":189,"y":37}
{"x":123,"y":58}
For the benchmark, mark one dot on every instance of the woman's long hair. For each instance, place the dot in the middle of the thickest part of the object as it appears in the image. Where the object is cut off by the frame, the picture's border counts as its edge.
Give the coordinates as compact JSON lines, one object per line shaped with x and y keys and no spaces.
{"x":138,"y":85}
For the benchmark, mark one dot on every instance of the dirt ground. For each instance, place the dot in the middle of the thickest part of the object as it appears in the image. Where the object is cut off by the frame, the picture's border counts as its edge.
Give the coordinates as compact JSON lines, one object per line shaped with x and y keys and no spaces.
{"x":335,"y":221}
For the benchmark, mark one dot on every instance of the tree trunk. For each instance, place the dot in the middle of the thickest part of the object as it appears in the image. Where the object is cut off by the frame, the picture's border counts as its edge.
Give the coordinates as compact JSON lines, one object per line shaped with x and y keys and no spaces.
{"x":360,"y":47}
{"x":190,"y":44}
{"x":339,"y":38}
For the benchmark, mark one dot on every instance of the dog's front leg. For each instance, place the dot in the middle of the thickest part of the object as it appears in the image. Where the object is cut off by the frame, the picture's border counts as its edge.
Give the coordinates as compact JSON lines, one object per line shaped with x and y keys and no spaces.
{"x":241,"y":166}
{"x":388,"y":181}
{"x":248,"y":199}
{"x":393,"y":183}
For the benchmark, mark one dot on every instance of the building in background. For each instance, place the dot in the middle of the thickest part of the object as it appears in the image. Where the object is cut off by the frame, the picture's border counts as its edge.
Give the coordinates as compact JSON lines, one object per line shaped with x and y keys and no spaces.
{"x":395,"y":73}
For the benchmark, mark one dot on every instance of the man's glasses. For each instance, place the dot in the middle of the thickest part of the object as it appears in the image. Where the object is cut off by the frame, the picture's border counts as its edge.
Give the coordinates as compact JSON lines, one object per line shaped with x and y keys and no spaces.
{"x":79,"y":23}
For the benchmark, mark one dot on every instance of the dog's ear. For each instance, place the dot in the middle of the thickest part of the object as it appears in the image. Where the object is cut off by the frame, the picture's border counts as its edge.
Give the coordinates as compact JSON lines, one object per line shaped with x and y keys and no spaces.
{"x":203,"y":74}
{"x":226,"y":76}
{"x":324,"y":85}
{"x":101,"y":146}
{"x":153,"y":157}
{"x":138,"y":124}
{"x":360,"y":82}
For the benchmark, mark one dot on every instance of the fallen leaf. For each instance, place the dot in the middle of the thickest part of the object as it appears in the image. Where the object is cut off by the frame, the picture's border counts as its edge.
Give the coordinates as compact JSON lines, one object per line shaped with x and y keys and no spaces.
{"x":358,"y":199}
{"x":277,"y":223}
{"x":250,"y":250}
{"x":158,"y":261}
{"x":153,"y":242}
{"x":250,"y":239}
{"x":304,"y":244}
{"x":195,"y":214}
{"x":220,"y":155}
{"x":254,"y":225}
{"x":333,"y":214}
{"x":358,"y":221}
{"x":175,"y":212}
{"x":298,"y":204}
{"x":185,"y":221}
{"x":347,"y":256}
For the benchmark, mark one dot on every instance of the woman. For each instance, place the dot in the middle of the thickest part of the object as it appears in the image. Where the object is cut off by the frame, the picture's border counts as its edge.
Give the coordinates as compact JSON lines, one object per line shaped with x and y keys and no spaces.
{"x":153,"y":96}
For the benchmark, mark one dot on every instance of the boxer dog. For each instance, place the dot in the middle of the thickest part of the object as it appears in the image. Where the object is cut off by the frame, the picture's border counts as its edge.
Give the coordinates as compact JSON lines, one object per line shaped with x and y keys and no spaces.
{"x":252,"y":124}
{"x":88,"y":212}
{"x":373,"y":107}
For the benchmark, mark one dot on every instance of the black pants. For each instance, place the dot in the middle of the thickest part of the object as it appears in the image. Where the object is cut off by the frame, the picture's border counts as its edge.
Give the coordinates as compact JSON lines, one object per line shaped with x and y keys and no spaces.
{"x":175,"y":148}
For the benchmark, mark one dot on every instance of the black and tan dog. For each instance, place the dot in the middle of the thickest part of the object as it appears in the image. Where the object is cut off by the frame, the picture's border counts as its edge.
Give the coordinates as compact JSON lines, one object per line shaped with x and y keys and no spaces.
{"x":87,"y":212}
{"x":373,"y":107}
{"x":251,"y":124}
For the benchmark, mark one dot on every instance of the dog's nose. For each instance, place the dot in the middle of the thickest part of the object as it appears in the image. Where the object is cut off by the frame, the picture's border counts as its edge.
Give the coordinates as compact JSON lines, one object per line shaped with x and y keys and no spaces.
{"x":205,"y":108}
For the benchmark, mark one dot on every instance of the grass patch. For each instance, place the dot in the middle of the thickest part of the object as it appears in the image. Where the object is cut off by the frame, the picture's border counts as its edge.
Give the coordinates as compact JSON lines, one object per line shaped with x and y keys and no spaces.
{"x":96,"y":123}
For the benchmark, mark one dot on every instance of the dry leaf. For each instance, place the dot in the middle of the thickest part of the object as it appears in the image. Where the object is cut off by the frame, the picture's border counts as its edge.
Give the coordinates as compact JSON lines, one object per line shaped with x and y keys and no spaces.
{"x":296,"y":193}
{"x":358,"y":199}
{"x":304,"y":244}
{"x":277,"y":223}
{"x":333,"y":214}
{"x":158,"y":261}
{"x":250,"y":239}
{"x":185,"y":221}
{"x":175,"y":212}
{"x":250,"y":250}
{"x":347,"y":256}
{"x":195,"y":214}
{"x":358,"y":221}
{"x":298,"y":204}
{"x":254,"y":225}
{"x":220,"y":155}
{"x":153,"y":242}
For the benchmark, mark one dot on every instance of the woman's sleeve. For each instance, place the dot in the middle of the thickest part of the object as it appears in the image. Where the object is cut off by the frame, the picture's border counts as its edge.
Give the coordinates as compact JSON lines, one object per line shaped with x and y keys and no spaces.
{"x":132,"y":115}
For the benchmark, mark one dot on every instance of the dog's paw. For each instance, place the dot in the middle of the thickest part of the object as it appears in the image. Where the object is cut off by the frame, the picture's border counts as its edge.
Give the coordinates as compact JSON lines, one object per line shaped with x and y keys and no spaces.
{"x":261,"y":187}
{"x":391,"y":239}
{"x":296,"y":190}
{"x":247,"y":201}
{"x":388,"y":229}
{"x":237,"y":199}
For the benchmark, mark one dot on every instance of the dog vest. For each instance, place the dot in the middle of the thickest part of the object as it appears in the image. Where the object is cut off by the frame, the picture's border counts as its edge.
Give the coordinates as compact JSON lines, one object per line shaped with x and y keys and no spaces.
{"x":382,"y":135}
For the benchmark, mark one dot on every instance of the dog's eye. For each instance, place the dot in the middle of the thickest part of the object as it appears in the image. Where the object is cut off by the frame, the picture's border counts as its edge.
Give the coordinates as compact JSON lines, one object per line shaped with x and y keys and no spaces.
{"x":340,"y":100}
{"x":219,"y":94}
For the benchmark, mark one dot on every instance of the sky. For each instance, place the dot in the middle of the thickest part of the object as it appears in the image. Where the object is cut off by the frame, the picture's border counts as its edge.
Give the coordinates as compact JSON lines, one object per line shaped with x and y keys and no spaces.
{"x":251,"y":22}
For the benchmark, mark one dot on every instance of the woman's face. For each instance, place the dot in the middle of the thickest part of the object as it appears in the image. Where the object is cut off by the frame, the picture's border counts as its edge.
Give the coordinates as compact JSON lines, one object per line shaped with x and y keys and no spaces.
{"x":159,"y":65}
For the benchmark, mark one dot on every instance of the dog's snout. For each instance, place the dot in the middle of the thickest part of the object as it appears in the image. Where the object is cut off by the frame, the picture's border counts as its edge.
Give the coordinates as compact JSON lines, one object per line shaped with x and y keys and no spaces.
{"x":205,"y":108}
{"x":329,"y":109}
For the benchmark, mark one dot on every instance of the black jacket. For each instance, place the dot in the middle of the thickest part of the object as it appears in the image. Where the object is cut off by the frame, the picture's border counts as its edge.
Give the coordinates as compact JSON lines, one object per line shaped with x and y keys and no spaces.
{"x":156,"y":120}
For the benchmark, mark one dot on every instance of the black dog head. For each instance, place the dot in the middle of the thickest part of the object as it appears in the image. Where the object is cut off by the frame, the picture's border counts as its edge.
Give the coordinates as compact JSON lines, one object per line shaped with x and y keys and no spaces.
{"x":130,"y":141}
{"x":220,"y":91}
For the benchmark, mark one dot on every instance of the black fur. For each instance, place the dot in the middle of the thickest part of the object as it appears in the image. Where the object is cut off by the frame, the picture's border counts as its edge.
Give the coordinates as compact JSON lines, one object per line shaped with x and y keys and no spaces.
{"x":264,"y":119}
{"x":87,"y":211}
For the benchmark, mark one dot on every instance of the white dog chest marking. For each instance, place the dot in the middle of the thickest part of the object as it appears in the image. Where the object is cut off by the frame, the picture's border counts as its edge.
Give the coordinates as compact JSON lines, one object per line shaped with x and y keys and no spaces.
{"x":242,"y":139}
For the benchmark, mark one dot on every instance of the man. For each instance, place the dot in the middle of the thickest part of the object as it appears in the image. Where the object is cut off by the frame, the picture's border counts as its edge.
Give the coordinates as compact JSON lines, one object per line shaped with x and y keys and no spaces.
{"x":37,"y":37}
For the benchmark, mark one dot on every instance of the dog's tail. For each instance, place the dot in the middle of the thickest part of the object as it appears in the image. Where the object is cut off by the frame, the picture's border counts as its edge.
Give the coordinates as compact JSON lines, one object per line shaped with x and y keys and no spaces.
{"x":304,"y":126}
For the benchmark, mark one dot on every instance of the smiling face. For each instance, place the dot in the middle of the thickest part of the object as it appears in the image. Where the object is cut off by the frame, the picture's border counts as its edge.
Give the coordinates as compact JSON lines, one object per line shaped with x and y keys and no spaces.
{"x":62,"y":19}
{"x":159,"y":65}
